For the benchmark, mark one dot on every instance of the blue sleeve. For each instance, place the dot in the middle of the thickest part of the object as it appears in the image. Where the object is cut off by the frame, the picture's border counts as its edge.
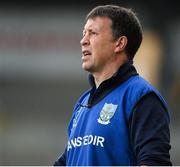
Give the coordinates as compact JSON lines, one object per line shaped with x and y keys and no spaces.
{"x":149,"y":131}
{"x":61,"y":161}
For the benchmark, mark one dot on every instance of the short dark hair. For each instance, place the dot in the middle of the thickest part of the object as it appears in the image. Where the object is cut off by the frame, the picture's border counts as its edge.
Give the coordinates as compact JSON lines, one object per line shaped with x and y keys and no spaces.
{"x":124,"y":22}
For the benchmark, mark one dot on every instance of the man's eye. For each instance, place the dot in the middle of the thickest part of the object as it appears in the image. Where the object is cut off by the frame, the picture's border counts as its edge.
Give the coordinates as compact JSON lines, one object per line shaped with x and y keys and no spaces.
{"x":93,"y":33}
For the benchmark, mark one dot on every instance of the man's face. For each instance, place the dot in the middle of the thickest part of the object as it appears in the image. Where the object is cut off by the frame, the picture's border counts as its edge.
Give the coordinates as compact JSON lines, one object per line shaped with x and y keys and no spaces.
{"x":97,"y":44}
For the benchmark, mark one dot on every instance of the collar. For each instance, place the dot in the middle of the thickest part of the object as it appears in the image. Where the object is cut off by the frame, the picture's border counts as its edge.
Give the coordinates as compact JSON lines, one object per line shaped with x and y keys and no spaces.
{"x":124,"y":72}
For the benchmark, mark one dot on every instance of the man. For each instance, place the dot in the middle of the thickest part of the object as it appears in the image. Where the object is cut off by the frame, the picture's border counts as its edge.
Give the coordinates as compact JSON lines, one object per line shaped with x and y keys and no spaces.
{"x":122,"y":119}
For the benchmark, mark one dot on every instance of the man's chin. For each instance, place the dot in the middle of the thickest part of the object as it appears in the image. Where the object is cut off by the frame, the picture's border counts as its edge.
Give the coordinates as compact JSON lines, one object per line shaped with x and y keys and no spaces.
{"x":86,"y":68}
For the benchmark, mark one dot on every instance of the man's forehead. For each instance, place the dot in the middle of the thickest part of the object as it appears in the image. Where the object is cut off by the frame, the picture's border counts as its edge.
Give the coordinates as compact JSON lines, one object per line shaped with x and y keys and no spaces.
{"x":97,"y":22}
{"x":90,"y":23}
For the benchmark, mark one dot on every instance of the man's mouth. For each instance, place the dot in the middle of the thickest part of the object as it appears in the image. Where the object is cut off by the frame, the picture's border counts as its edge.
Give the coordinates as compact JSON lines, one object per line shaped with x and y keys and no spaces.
{"x":86,"y":53}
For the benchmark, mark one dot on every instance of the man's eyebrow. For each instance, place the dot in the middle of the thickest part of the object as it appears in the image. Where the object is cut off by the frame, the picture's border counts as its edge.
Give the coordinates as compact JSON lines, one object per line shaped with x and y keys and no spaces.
{"x":88,"y":29}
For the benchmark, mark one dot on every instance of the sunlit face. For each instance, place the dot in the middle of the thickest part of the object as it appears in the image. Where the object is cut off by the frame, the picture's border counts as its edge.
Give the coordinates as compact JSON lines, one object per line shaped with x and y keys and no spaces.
{"x":97,"y":44}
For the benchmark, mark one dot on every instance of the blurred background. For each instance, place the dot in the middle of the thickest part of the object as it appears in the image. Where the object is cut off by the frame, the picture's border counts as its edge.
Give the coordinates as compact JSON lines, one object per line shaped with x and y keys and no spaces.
{"x":41,"y":76}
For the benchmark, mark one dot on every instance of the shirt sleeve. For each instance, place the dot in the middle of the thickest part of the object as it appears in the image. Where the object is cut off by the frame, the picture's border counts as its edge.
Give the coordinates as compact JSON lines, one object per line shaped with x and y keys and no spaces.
{"x":61,"y":161}
{"x":149,"y":132}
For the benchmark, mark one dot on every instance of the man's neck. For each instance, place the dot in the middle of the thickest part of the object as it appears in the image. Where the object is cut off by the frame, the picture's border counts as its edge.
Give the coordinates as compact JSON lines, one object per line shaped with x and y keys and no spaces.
{"x":102,"y":77}
{"x":109,"y":69}
{"x":99,"y":77}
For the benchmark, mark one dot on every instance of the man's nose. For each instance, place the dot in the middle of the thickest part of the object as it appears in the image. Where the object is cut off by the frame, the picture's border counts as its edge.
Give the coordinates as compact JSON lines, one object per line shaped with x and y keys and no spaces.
{"x":84,"y":41}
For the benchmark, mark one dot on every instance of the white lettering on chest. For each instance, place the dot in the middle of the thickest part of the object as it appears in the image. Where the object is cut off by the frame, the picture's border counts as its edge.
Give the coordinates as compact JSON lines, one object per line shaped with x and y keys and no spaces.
{"x":86,"y":140}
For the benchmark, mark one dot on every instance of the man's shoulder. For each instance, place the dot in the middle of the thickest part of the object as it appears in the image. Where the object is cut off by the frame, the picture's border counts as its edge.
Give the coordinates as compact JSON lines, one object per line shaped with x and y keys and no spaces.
{"x":138,"y":87}
{"x":138,"y":83}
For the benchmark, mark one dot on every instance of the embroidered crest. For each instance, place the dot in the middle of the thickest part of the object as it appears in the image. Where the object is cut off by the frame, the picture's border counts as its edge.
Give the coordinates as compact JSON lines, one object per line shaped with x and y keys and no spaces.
{"x":107,"y":113}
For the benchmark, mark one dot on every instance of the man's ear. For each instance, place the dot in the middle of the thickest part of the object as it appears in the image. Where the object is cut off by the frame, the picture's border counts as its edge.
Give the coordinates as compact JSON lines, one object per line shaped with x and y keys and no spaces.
{"x":121,"y":44}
